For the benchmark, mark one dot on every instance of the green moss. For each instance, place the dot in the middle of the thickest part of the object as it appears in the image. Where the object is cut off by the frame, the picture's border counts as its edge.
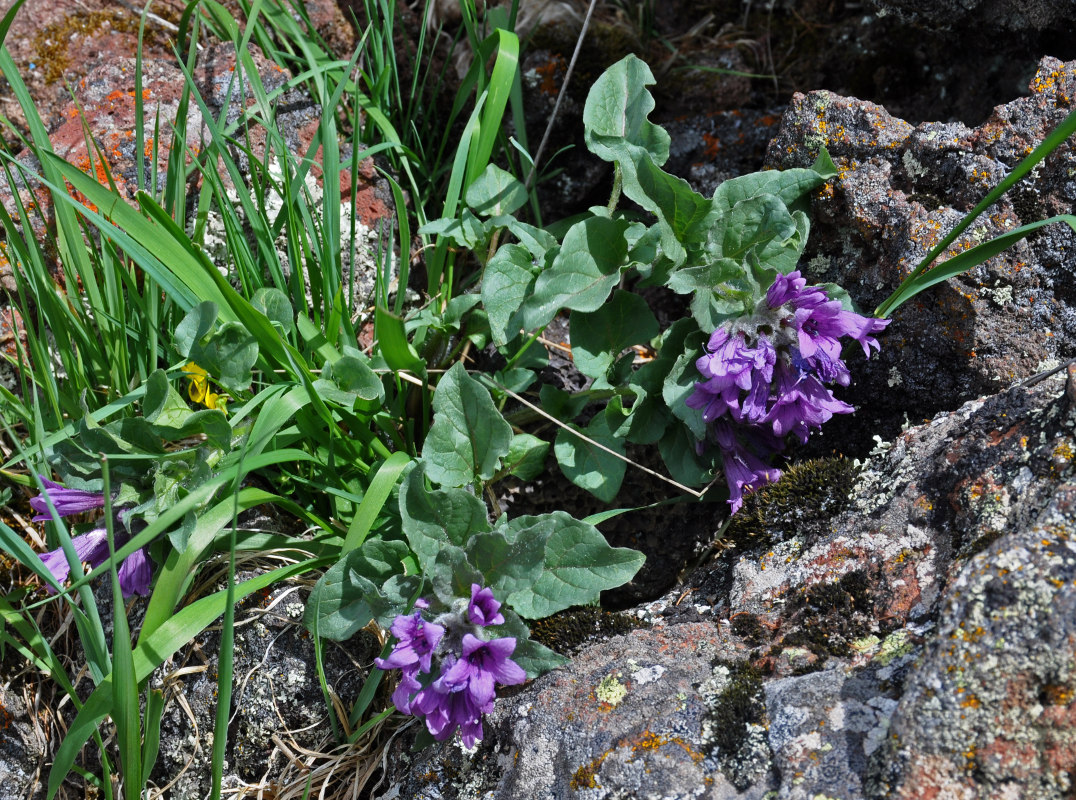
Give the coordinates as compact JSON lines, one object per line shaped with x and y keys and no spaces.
{"x":568,"y":631}
{"x":735,"y":725}
{"x":748,"y":628}
{"x":976,"y":546}
{"x":741,"y":703}
{"x":801,"y":503}
{"x":51,"y":42}
{"x":830,"y":618}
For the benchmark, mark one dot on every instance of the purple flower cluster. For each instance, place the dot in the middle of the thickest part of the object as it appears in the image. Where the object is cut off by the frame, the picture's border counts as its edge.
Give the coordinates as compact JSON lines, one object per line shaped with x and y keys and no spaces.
{"x":134,"y":573}
{"x":766,"y":375}
{"x":450,"y":671}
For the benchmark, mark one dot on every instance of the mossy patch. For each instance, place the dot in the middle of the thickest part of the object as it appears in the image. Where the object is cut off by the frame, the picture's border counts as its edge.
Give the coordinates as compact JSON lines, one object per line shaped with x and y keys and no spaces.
{"x":800,"y":504}
{"x":735,"y":723}
{"x":748,"y":628}
{"x":830,"y":619}
{"x":568,"y":631}
{"x":51,"y":42}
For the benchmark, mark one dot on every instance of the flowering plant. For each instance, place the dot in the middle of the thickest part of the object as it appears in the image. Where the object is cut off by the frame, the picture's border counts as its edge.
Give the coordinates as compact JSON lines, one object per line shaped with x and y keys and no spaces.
{"x":56,"y":502}
{"x":450,"y":666}
{"x":726,"y":387}
{"x":765,"y":376}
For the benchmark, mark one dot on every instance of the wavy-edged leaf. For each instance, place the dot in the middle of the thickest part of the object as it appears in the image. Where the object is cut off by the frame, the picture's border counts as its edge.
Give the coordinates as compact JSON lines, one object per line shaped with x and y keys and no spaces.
{"x":434,"y":519}
{"x":469,"y":436}
{"x":583,"y":273}
{"x":579,"y":564}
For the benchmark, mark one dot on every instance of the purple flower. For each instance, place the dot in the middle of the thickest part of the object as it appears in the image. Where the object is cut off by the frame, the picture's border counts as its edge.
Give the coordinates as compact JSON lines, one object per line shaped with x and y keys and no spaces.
{"x":134,"y":573}
{"x":484,"y":609}
{"x":65,"y":501}
{"x":743,"y":469}
{"x":446,"y":710}
{"x":406,"y":690}
{"x":416,"y":641}
{"x":468,"y":668}
{"x":765,"y":376}
{"x":480,"y":666}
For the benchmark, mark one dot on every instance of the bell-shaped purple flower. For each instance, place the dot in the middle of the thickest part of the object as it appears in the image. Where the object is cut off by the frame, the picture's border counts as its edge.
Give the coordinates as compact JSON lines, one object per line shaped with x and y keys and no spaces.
{"x":134,"y":572}
{"x":765,"y":376}
{"x":65,"y":501}
{"x":480,"y":666}
{"x":447,"y":710}
{"x":416,"y":641}
{"x":406,"y":689}
{"x":743,"y":469}
{"x":484,"y":608}
{"x":802,"y":403}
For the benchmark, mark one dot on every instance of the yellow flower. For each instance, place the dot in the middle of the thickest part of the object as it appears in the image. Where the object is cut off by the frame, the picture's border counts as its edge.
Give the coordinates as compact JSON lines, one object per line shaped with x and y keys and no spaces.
{"x":198,"y":387}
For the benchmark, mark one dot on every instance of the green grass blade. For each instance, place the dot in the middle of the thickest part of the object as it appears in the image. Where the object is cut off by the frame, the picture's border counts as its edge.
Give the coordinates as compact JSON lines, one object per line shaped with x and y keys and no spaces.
{"x":152,"y":745}
{"x":9,"y":17}
{"x":501,"y":82}
{"x":1048,"y":145}
{"x":125,"y":712}
{"x":970,"y":258}
{"x":378,"y":492}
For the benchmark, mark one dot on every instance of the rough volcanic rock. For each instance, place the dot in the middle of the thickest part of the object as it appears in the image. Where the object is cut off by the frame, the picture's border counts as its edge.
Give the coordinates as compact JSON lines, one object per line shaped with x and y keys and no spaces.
{"x":278,"y":707}
{"x":58,"y":43}
{"x":23,"y":751}
{"x":990,"y":15}
{"x":901,"y":188}
{"x":919,"y":639}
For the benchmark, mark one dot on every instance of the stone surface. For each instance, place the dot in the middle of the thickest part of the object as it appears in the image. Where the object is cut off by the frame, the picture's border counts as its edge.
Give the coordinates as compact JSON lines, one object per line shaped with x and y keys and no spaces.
{"x":55,"y":44}
{"x":986,"y":15}
{"x":23,"y":750}
{"x":901,"y":188}
{"x":278,"y":708}
{"x":97,"y":130}
{"x":920,"y":640}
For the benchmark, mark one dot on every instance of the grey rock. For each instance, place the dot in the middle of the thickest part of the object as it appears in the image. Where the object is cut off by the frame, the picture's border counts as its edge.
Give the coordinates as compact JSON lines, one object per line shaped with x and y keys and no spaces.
{"x":987,"y":15}
{"x":23,"y":751}
{"x":871,"y":658}
{"x":900,"y":189}
{"x":277,"y":704}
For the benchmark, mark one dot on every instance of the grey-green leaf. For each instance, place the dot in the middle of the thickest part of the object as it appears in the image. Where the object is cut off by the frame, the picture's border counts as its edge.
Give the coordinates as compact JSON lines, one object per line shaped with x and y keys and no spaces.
{"x":506,"y":566}
{"x":276,"y":306}
{"x":584,"y":271}
{"x":194,"y":326}
{"x":588,"y":466}
{"x":526,"y":456}
{"x":347,"y":597}
{"x":677,"y":448}
{"x":361,"y":384}
{"x":680,"y":383}
{"x":495,"y":191}
{"x":231,"y":352}
{"x":533,"y":657}
{"x":579,"y":565}
{"x":434,"y":519}
{"x":506,"y":282}
{"x":615,"y":113}
{"x":599,"y":336}
{"x":789,"y":185}
{"x":451,"y":575}
{"x":468,"y":436}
